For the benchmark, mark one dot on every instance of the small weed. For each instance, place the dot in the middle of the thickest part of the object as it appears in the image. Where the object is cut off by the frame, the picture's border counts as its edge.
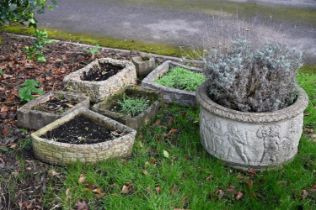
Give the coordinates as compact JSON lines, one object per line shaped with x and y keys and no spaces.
{"x":94,"y":50}
{"x":182,"y":79}
{"x":35,"y":52}
{"x":1,"y":72}
{"x":132,"y":106}
{"x":28,"y":89}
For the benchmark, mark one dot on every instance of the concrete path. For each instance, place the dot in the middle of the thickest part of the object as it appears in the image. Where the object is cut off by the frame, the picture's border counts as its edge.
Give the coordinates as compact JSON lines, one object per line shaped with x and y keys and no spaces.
{"x":176,"y":26}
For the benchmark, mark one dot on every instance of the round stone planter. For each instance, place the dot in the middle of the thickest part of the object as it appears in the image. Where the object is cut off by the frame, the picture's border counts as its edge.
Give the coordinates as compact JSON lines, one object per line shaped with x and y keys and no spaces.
{"x":251,"y":140}
{"x":58,"y":153}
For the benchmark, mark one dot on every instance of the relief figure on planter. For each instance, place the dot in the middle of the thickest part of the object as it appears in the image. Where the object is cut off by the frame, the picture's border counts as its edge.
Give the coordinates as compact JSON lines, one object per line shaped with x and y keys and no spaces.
{"x":214,"y":138}
{"x":271,"y":143}
{"x":239,"y":142}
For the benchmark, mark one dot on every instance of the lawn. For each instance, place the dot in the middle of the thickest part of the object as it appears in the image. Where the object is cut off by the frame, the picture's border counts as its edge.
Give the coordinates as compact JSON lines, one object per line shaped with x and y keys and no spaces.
{"x":169,"y":169}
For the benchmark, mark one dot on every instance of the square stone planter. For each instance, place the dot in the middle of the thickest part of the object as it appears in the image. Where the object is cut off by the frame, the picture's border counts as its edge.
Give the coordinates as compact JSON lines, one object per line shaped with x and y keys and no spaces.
{"x":58,"y":153}
{"x":33,"y":119}
{"x":170,"y":95}
{"x":144,"y":65}
{"x":101,"y":89}
{"x":104,"y":107}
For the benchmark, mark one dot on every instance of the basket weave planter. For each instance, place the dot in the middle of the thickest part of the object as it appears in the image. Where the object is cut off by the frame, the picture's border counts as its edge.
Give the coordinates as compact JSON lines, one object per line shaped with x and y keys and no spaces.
{"x":97,"y":90}
{"x":63,"y":153}
{"x":251,"y":140}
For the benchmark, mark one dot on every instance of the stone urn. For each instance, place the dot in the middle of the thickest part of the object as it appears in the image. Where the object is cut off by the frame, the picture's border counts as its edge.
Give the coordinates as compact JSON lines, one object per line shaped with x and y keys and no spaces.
{"x":246,"y":140}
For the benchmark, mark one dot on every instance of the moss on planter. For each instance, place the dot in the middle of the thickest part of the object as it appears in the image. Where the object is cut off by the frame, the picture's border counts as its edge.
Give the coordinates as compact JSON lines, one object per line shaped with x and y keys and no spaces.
{"x":157,"y":48}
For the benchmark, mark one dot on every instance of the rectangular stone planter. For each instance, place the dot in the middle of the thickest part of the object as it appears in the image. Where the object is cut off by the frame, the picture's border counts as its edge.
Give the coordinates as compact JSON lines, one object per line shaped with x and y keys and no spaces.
{"x":104,"y":107}
{"x":35,"y":119}
{"x":58,"y":153}
{"x":170,"y":95}
{"x":97,"y":90}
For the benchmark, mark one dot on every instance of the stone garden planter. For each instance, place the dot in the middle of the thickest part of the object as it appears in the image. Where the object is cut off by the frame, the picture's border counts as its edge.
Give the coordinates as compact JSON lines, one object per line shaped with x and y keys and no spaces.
{"x":144,"y":65}
{"x":170,"y":95}
{"x":58,"y":153}
{"x":30,"y":117}
{"x":105,"y":107}
{"x":103,"y":88}
{"x":251,"y":140}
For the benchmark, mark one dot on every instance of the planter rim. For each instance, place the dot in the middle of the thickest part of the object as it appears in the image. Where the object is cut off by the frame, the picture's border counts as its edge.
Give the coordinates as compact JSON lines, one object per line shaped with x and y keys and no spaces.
{"x":37,"y":134}
{"x":150,"y":78}
{"x":28,"y":106}
{"x":126,"y":64}
{"x":289,"y":112}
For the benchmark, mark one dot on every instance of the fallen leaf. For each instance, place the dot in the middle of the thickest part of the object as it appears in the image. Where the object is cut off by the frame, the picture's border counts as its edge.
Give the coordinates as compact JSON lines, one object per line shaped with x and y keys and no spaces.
{"x":82,"y":179}
{"x":53,"y":173}
{"x":158,"y":189}
{"x":82,"y":205}
{"x":165,"y":154}
{"x":127,"y":188}
{"x":304,"y":194}
{"x":5,"y":131}
{"x":239,"y":195}
{"x":98,"y":192}
{"x":220,"y":193}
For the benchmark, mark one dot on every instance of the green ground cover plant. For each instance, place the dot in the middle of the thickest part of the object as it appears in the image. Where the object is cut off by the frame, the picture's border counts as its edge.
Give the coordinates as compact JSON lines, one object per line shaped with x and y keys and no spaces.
{"x":132,"y":106}
{"x":28,"y":89}
{"x":182,"y":79}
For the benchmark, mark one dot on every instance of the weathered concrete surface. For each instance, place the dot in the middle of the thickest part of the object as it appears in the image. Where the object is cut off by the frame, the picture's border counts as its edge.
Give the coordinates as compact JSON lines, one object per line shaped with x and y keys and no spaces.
{"x":35,"y":119}
{"x":251,"y":140}
{"x":170,"y":95}
{"x":97,"y":90}
{"x":104,"y":108}
{"x":151,"y":22}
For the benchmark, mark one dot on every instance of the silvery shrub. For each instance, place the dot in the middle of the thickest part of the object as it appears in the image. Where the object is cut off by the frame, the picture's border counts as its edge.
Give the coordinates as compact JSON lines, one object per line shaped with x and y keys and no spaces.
{"x":253,"y":80}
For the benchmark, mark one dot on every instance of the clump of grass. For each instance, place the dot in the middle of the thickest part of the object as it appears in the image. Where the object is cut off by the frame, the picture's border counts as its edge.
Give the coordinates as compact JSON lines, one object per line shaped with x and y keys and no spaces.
{"x":132,"y":106}
{"x":181,"y":78}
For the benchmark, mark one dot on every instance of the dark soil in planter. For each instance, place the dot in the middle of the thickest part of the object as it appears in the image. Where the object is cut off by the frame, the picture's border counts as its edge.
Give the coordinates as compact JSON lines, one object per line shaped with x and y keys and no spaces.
{"x":82,"y":130}
{"x":101,"y":72}
{"x":56,"y":105}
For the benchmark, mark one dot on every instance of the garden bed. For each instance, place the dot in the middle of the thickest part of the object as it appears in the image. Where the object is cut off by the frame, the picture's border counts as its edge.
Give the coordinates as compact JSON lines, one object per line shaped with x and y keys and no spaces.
{"x":133,"y":107}
{"x":84,"y":136}
{"x":176,"y":82}
{"x":102,"y":78}
{"x":167,"y":158}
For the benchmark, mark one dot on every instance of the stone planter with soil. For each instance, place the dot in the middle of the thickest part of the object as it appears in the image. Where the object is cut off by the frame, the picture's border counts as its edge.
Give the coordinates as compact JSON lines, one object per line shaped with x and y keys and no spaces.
{"x":49,"y":107}
{"x":102,"y":78}
{"x":251,"y":140}
{"x":82,"y":135}
{"x":112,"y":106}
{"x":171,"y":94}
{"x":144,"y":65}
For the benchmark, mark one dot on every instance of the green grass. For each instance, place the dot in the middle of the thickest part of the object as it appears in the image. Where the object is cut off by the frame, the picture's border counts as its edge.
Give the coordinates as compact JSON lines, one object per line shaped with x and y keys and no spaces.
{"x":182,"y":79}
{"x":189,"y":177}
{"x":157,"y":48}
{"x":132,"y":106}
